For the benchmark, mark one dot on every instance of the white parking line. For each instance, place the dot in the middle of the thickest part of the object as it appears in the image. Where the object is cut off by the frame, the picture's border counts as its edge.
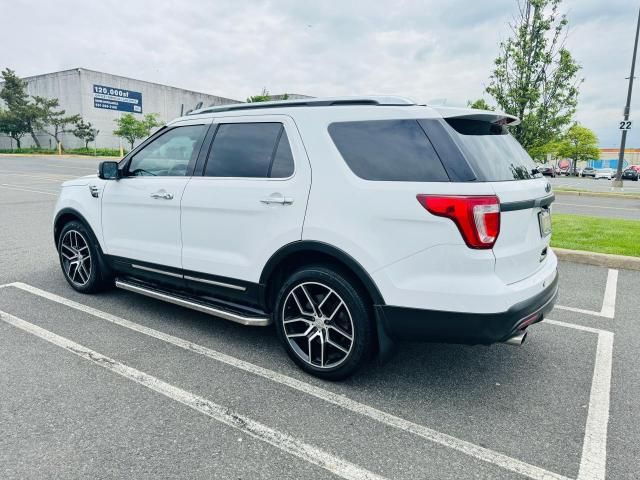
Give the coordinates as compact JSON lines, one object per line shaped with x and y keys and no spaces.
{"x":14,"y":187}
{"x":291,"y":445}
{"x":468,"y":448}
{"x":608,"y":309}
{"x":593,"y":462}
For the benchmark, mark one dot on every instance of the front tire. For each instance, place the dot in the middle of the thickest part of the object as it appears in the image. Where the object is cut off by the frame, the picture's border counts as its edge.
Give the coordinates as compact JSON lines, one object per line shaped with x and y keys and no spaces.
{"x":324,"y":322}
{"x":81,"y":259}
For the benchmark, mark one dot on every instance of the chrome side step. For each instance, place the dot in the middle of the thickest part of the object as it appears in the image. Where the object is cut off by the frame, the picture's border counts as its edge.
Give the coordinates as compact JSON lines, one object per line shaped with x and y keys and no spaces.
{"x":200,"y":307}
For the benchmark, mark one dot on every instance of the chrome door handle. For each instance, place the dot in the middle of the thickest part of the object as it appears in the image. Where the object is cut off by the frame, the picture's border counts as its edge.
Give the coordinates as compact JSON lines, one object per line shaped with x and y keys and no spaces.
{"x":277,"y":199}
{"x":163,"y":195}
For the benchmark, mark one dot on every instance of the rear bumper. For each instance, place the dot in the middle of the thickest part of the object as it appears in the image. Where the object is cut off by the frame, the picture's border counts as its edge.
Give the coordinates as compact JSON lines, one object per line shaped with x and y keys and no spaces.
{"x":404,"y":323}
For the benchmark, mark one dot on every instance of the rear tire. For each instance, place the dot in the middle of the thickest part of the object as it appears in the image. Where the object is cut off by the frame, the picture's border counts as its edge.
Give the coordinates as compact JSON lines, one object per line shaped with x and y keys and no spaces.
{"x":324,"y":323}
{"x":81,"y":260}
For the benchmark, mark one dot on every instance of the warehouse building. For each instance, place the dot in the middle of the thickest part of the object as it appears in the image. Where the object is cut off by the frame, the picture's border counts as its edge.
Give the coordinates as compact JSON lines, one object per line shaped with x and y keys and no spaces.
{"x":100,"y":98}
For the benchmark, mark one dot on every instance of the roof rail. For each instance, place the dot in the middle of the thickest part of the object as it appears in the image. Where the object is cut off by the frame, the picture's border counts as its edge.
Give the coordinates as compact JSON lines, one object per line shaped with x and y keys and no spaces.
{"x":311,"y":102}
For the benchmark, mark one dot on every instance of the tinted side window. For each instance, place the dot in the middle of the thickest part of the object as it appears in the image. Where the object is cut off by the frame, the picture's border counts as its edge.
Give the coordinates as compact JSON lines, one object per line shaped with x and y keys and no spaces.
{"x":243,"y":150}
{"x":169,"y":154}
{"x":388,"y":150}
{"x":282,"y":166}
{"x":492,"y":152}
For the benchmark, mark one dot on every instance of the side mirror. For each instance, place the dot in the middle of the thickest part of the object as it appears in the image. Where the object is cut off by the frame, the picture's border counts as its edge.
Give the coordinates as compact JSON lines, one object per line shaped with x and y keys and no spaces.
{"x":108,"y":170}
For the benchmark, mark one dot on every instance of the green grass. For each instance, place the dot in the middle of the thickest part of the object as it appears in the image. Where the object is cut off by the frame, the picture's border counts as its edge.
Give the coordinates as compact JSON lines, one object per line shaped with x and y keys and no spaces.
{"x":100,"y":152}
{"x":594,"y":234}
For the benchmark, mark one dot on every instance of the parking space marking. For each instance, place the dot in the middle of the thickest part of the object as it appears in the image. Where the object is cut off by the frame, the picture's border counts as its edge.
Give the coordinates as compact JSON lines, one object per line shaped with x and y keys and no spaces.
{"x":284,"y":442}
{"x":468,"y":448}
{"x":608,"y":309}
{"x":15,"y":187}
{"x":593,"y":461}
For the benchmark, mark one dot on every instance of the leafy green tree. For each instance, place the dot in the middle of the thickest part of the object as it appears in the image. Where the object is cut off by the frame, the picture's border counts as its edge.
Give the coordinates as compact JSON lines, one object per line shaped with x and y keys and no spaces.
{"x":479,"y":104}
{"x":54,"y":122}
{"x":21,"y":116}
{"x":540,"y":152}
{"x":85,"y":132}
{"x":579,"y":144}
{"x":13,"y":125}
{"x":535,"y":76}
{"x":132,"y":129}
{"x":263,"y":97}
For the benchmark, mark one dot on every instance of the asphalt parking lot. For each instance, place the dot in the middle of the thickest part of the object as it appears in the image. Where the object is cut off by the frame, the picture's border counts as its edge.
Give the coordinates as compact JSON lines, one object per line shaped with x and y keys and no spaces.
{"x":624,"y":208}
{"x":122,"y":386}
{"x":587,"y":183}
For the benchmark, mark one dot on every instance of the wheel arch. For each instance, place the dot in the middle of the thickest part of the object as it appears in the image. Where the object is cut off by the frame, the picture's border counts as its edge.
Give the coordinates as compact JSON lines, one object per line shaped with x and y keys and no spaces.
{"x":65,"y":216}
{"x":305,"y":252}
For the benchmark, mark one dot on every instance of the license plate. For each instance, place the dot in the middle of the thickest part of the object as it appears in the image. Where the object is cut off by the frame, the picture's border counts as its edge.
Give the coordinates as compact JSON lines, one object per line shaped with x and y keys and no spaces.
{"x":544,"y":219}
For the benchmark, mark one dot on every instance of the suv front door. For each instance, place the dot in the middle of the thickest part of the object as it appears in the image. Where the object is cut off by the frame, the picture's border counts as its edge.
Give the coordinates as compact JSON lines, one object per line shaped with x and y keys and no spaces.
{"x":249,"y":201}
{"x":141,"y":211}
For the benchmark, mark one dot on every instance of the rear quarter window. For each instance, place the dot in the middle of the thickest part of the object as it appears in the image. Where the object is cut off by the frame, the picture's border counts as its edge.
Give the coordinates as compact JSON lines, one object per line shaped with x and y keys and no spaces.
{"x":491,"y":151}
{"x":388,"y":150}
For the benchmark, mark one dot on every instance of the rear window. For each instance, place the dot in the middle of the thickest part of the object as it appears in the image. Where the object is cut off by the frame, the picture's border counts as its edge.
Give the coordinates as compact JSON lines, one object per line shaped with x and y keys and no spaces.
{"x":493,"y":153}
{"x":388,"y":150}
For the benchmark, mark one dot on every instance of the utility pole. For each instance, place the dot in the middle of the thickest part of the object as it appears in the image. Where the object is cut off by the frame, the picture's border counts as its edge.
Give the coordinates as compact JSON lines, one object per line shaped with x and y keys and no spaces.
{"x":625,"y":126}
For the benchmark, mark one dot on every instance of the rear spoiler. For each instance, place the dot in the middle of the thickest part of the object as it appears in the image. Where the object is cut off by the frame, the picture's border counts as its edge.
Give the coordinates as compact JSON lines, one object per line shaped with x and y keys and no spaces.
{"x":498,"y":118}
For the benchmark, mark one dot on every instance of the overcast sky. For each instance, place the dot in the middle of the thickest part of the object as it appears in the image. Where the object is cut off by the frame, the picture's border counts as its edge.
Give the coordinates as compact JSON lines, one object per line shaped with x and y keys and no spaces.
{"x":429,"y":50}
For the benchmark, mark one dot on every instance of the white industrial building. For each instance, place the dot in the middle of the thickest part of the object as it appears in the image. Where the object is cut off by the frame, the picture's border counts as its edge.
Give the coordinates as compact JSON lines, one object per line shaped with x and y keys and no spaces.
{"x":100,"y":98}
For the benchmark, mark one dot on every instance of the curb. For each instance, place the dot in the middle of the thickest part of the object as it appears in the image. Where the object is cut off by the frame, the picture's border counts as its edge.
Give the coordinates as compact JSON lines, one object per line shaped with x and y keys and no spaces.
{"x":598,"y":259}
{"x":626,"y":196}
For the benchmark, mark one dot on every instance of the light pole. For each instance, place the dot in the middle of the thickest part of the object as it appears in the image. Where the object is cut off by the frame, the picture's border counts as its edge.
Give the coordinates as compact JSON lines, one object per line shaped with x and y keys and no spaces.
{"x":625,"y":125}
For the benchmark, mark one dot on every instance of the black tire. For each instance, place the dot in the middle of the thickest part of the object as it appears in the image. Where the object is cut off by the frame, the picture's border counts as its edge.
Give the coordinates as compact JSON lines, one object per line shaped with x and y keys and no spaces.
{"x":95,"y":276}
{"x":356,"y":309}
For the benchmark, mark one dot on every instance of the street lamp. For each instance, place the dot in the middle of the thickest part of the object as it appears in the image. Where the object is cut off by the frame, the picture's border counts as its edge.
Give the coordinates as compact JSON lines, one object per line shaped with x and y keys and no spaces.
{"x":625,"y":125}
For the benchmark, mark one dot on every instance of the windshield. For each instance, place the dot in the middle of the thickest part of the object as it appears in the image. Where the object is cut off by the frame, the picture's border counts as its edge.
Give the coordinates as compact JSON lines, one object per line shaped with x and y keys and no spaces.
{"x":493,"y":153}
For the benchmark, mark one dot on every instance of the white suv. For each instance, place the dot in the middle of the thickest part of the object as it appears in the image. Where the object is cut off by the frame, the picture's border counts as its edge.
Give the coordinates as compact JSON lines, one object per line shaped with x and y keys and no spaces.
{"x":348,"y":222}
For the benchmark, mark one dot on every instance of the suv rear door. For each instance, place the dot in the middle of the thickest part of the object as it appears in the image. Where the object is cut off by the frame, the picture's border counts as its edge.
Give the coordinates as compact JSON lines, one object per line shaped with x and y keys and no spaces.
{"x":247,"y":201}
{"x":496,"y":157}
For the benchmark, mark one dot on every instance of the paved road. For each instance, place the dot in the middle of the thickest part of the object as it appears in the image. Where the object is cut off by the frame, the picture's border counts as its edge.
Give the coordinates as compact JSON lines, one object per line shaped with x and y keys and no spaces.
{"x":591,"y":184}
{"x":597,"y":206}
{"x":561,"y":406}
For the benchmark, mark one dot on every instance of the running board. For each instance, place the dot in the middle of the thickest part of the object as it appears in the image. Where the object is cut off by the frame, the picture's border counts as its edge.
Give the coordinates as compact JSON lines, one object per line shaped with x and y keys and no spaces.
{"x":194,"y":305}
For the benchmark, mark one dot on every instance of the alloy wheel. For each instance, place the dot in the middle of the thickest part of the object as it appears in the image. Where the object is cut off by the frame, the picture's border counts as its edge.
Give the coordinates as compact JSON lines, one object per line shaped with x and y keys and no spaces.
{"x":318,"y":325}
{"x":76,"y":257}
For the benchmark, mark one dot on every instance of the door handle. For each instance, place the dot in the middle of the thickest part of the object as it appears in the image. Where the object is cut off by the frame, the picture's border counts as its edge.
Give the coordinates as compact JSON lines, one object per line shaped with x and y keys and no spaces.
{"x":277,"y":199}
{"x":163,"y":195}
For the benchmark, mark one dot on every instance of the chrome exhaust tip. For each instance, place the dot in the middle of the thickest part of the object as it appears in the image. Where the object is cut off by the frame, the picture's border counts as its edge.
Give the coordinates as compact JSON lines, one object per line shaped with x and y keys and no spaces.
{"x":517,"y":340}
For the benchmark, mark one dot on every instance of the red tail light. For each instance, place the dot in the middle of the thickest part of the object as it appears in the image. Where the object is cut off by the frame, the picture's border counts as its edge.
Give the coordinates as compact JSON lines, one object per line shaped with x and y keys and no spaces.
{"x":477,"y":218}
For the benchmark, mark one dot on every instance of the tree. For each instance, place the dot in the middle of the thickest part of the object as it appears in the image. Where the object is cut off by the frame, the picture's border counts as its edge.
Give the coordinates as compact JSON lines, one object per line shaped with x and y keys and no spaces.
{"x":579,"y":144}
{"x":480,"y":104}
{"x":535,"y":76}
{"x":540,"y":152}
{"x":263,"y":97}
{"x":132,"y":129}
{"x":12,"y":125}
{"x":20,"y":117}
{"x":54,"y":122}
{"x":85,"y":132}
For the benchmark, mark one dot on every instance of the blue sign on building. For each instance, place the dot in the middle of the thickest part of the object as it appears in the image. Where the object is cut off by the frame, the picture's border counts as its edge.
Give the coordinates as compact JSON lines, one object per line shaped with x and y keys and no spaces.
{"x":111,"y":98}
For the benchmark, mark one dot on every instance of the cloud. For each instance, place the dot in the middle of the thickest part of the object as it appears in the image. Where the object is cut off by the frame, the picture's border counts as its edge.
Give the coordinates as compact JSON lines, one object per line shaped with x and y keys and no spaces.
{"x":233,"y":48}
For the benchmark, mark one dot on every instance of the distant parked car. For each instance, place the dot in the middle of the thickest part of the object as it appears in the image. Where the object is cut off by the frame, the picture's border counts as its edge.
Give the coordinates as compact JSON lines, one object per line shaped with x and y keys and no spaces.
{"x":631,"y":174}
{"x":547,"y":171}
{"x":588,"y":172}
{"x":607,"y":173}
